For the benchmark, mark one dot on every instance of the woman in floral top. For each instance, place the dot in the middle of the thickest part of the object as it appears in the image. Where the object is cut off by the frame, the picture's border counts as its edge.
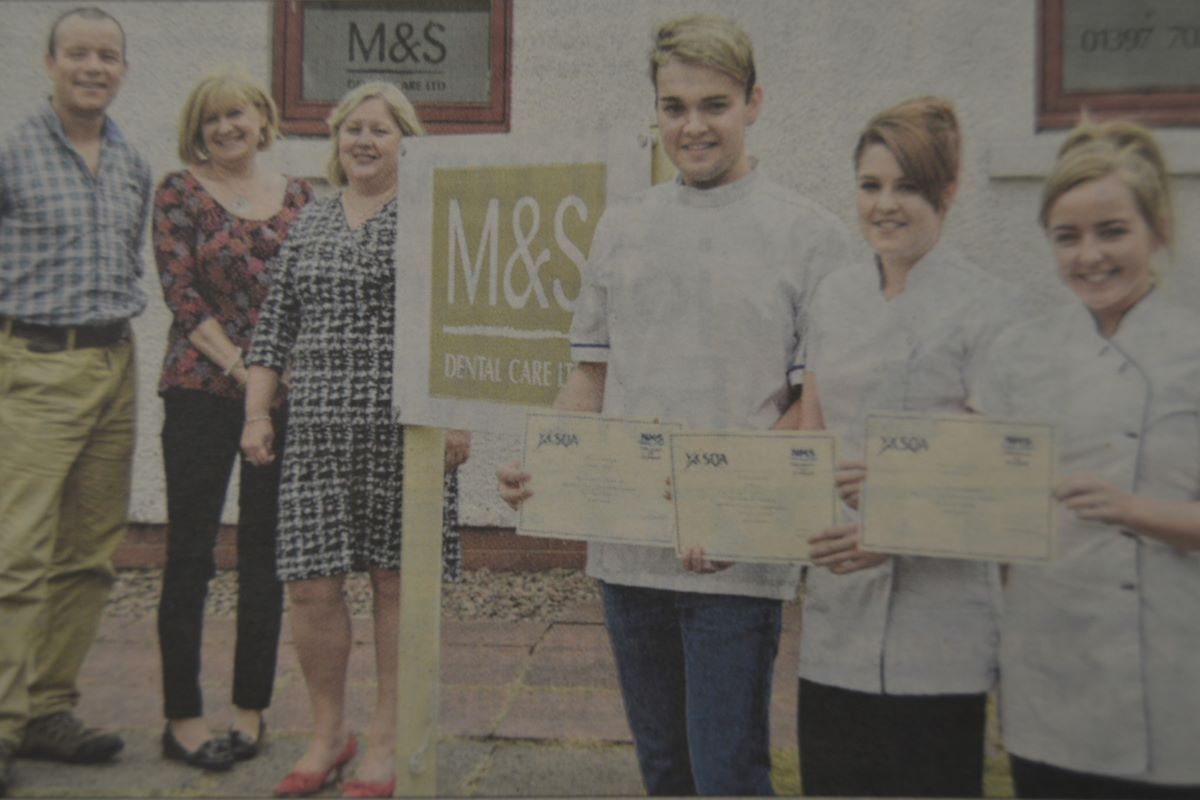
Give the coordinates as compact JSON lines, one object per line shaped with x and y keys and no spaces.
{"x":217,"y":227}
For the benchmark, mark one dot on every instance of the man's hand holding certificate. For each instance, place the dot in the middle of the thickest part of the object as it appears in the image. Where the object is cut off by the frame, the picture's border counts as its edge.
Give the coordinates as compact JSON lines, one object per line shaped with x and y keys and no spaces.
{"x":741,"y":496}
{"x":597,"y":478}
{"x":959,"y":486}
{"x":752,"y":496}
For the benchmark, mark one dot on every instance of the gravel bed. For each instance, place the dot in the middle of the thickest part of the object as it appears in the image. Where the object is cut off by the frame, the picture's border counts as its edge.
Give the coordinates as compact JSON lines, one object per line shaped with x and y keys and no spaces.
{"x":482,"y":594}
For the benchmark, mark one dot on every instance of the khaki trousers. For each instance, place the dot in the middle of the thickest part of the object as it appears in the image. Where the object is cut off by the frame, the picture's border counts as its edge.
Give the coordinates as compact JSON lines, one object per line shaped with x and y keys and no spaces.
{"x":66,"y":451}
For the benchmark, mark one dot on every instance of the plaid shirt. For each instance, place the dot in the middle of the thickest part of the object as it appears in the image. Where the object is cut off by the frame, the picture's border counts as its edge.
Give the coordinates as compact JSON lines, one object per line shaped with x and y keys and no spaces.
{"x":70,"y":241}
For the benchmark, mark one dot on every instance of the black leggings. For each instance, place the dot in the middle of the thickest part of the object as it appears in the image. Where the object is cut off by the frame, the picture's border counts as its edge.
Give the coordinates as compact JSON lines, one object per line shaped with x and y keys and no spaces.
{"x":200,"y":439}
{"x":874,"y":745}
{"x":1036,"y":779}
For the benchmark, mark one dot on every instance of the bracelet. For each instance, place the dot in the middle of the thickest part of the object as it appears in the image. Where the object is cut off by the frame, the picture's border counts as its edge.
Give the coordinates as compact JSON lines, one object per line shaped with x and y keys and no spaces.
{"x":258,"y":418}
{"x":233,"y":364}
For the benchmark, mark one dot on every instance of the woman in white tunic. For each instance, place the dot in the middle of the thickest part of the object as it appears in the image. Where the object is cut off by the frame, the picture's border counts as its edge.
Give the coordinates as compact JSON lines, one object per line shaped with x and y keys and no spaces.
{"x":897,"y":654}
{"x":1100,"y":651}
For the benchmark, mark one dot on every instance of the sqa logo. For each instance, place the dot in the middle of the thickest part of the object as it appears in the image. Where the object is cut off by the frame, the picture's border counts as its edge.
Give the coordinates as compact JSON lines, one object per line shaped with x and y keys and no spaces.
{"x":706,"y":460}
{"x":557,"y":439}
{"x":903,"y":444}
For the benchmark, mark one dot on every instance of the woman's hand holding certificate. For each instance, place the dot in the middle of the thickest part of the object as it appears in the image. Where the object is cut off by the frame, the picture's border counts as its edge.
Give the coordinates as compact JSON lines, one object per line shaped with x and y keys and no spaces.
{"x":959,"y":486}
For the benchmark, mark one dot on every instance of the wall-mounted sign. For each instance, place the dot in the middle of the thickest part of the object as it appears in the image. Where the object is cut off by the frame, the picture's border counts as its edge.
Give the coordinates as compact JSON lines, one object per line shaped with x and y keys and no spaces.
{"x":1134,"y":58}
{"x":493,"y":235}
{"x":451,"y":58}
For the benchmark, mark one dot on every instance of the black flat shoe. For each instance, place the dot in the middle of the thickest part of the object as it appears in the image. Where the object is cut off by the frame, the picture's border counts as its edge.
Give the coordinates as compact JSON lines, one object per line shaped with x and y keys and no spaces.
{"x":240,"y":745}
{"x":213,"y":756}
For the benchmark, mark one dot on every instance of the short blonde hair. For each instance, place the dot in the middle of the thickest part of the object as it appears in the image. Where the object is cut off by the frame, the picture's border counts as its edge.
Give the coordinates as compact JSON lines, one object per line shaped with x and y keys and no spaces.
{"x":922,"y":134}
{"x":1095,"y":150}
{"x":708,"y":40}
{"x":217,"y":92}
{"x":402,"y":112}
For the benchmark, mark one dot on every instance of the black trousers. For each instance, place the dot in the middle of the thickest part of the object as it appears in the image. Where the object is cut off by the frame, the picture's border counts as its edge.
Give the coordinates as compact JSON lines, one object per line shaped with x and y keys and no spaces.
{"x":200,"y":441}
{"x":873,"y":745}
{"x":1036,"y":779}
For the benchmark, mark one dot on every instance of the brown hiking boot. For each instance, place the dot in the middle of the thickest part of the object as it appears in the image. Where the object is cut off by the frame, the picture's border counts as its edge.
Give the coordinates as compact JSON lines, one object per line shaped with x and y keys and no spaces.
{"x":62,"y":737}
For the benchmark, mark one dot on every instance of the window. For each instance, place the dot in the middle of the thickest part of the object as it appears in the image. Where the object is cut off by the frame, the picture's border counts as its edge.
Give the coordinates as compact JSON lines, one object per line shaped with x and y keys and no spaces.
{"x":1133,"y":58}
{"x":451,"y":57}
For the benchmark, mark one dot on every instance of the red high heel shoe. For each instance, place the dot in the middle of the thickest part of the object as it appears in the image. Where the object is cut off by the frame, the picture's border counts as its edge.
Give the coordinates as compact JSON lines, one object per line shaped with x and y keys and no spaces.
{"x":356,"y":788}
{"x":302,"y":784}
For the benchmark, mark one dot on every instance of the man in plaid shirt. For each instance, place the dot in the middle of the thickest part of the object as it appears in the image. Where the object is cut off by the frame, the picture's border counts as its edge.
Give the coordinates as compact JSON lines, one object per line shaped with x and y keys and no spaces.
{"x":74,"y":198}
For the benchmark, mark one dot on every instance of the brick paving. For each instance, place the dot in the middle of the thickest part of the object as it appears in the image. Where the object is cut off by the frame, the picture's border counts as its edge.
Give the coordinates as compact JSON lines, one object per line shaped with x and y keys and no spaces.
{"x":527,"y":709}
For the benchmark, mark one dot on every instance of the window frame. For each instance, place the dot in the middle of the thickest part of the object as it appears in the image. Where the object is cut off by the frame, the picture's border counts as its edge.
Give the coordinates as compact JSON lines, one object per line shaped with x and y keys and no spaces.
{"x":307,"y":117}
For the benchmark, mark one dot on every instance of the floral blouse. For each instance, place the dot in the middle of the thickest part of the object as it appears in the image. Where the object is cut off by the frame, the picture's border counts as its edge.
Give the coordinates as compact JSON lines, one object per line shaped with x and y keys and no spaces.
{"x":213,"y":264}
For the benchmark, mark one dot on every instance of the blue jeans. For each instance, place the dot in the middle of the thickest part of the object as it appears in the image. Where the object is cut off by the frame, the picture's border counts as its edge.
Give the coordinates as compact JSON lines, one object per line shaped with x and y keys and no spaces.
{"x":695,"y":672}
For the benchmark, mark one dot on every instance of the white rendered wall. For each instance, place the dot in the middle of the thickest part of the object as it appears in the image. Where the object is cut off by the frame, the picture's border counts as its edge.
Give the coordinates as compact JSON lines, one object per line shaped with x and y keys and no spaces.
{"x":825,"y":65}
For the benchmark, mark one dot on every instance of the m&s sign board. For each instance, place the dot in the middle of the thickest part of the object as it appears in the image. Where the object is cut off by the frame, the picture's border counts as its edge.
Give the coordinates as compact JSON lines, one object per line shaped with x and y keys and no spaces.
{"x":489,"y":263}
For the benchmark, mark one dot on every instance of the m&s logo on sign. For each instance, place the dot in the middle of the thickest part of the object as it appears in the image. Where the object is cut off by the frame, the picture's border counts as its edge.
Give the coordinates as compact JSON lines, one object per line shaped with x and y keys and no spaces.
{"x":508,"y":247}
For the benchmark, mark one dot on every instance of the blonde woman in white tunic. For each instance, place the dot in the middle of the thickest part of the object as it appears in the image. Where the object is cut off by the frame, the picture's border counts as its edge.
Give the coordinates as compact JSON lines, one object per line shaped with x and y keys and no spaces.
{"x":1100,"y":652}
{"x":897,"y":654}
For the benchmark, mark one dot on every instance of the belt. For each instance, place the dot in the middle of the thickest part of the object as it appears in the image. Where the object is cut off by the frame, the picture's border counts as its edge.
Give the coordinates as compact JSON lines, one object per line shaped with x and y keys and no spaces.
{"x":56,"y":338}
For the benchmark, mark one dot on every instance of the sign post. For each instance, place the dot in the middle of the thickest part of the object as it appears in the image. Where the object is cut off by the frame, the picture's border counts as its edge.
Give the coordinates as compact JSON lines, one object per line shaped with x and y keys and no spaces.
{"x":417,"y":681}
{"x":490,"y":247}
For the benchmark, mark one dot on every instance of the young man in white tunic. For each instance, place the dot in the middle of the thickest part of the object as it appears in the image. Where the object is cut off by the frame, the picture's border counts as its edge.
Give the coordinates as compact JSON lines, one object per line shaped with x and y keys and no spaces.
{"x":691,"y":309}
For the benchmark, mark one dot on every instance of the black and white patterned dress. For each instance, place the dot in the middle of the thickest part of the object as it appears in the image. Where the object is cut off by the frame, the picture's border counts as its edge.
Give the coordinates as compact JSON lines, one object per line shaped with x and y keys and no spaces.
{"x":330,"y":312}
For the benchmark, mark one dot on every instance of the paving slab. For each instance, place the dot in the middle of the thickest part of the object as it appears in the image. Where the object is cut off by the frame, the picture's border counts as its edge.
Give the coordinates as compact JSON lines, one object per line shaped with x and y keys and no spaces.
{"x":471,"y":710}
{"x":783,"y":722}
{"x":460,"y":764}
{"x":500,"y":634}
{"x":479,"y":665}
{"x":566,"y":715}
{"x":589,"y":612}
{"x":591,"y":668}
{"x":140,"y":771}
{"x":521,"y":770}
{"x":573,"y":636}
{"x":527,"y":709}
{"x":791,"y":617}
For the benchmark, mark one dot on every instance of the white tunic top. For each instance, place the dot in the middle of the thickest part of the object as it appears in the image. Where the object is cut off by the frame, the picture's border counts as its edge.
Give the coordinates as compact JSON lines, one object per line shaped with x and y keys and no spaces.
{"x":1100,"y":652}
{"x":695,"y":299}
{"x":911,"y":625}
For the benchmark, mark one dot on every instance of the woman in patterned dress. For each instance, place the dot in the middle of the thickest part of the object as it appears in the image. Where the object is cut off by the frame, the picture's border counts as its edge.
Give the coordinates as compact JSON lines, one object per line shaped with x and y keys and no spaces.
{"x":330,"y":314}
{"x":217,"y":226}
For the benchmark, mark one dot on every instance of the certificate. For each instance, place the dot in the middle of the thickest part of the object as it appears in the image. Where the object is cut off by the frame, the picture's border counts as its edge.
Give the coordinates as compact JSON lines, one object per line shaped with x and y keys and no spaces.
{"x":959,"y":486}
{"x":597,"y":479}
{"x":752,"y":495}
